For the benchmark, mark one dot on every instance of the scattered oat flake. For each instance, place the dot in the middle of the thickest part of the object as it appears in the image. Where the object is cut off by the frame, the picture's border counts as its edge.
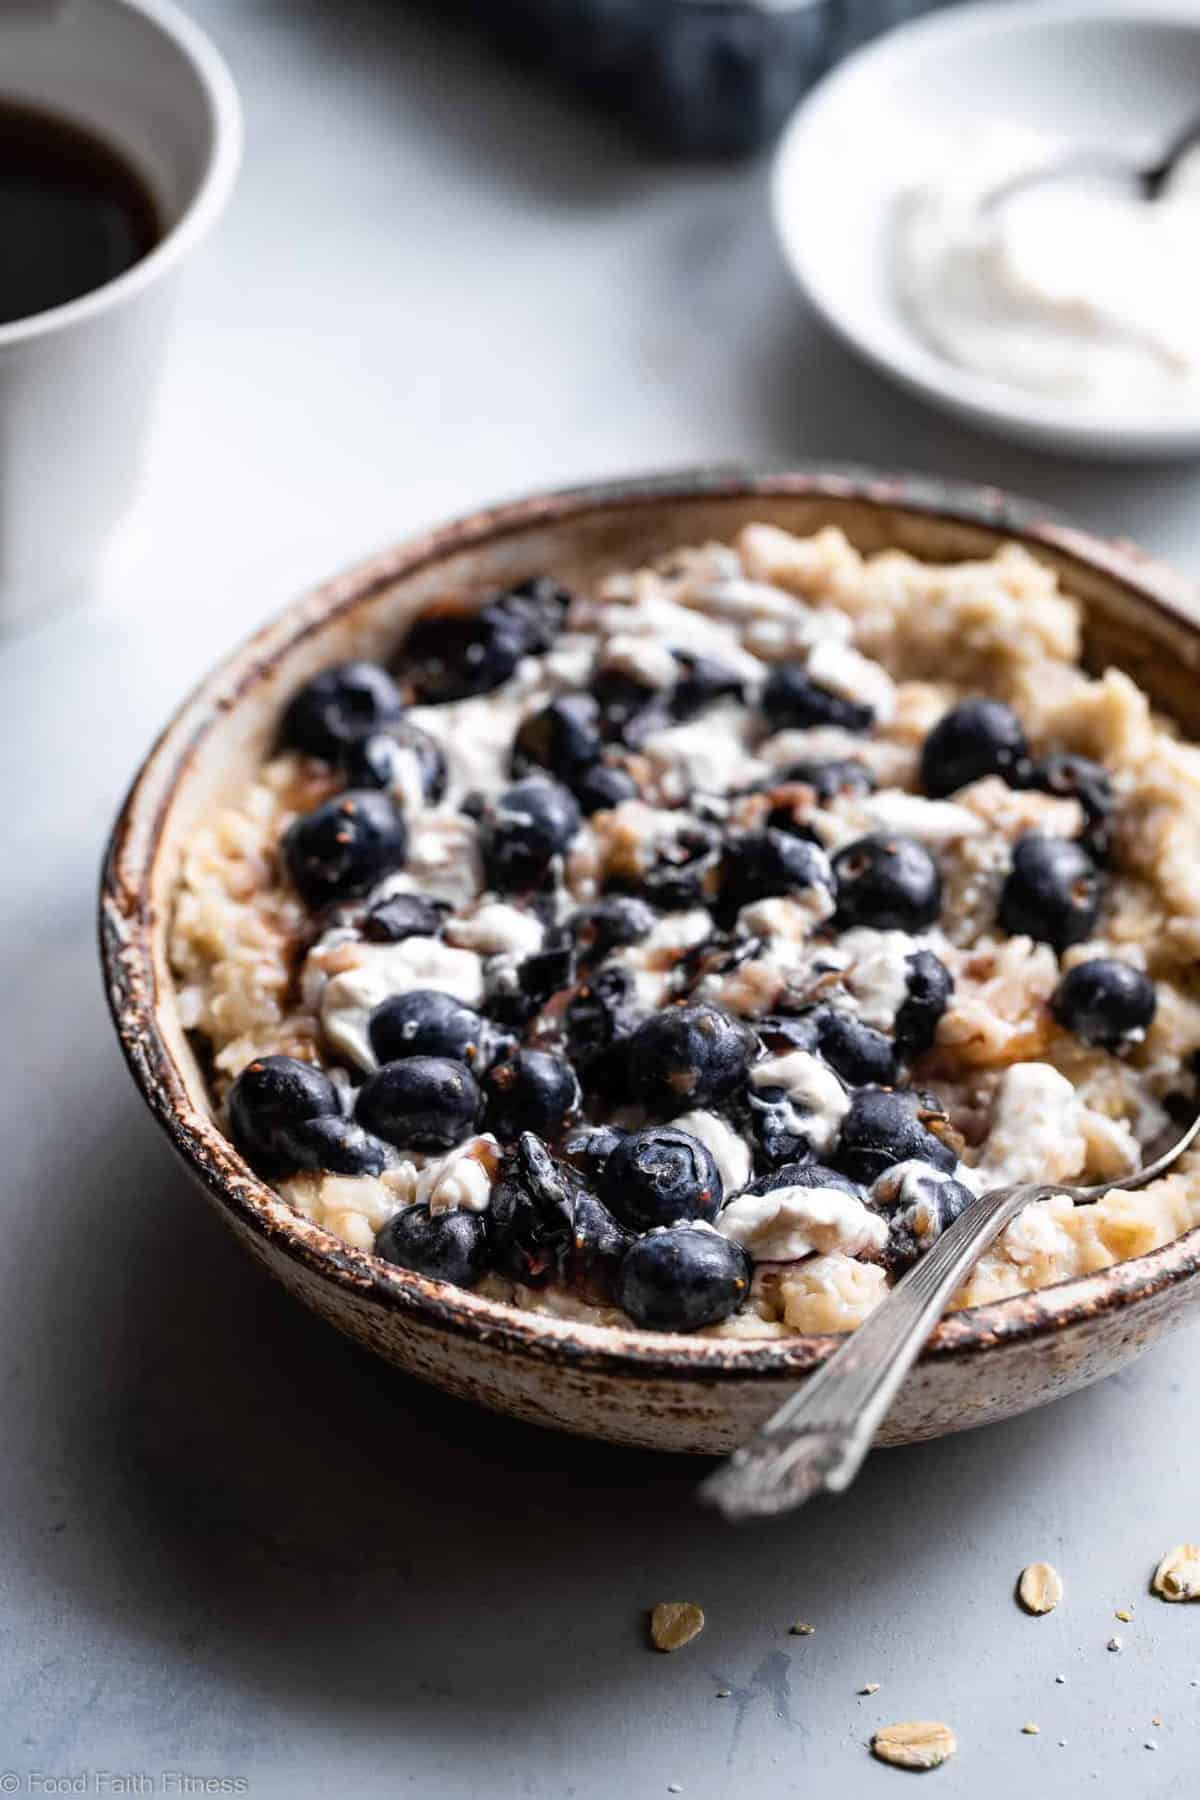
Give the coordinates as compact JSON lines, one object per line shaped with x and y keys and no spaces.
{"x":1150,"y":1744}
{"x":914,"y":1744}
{"x":872,"y":1687}
{"x":1040,"y":1588}
{"x":1031,"y":1730}
{"x":1156,"y":1720}
{"x":801,"y":1629}
{"x":1123,"y":1613}
{"x":1061,"y":1680}
{"x":724,"y":1693}
{"x":1114,"y":1643}
{"x":673,"y":1787}
{"x":674,"y":1623}
{"x":1177,"y":1576}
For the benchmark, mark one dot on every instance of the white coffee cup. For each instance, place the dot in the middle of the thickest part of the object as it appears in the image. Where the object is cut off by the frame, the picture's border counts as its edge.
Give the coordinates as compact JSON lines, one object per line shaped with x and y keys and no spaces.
{"x":77,"y":381}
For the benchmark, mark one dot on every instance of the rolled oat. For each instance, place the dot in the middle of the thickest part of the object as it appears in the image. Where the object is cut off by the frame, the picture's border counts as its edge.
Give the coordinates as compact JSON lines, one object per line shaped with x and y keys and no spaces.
{"x":674,"y":1623}
{"x":914,"y":1744}
{"x":1040,"y":1588}
{"x":1177,"y":1576}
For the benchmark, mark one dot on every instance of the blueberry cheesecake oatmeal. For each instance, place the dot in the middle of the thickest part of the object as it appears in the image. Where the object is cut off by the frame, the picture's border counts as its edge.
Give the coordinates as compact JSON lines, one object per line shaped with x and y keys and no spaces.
{"x":689,"y":949}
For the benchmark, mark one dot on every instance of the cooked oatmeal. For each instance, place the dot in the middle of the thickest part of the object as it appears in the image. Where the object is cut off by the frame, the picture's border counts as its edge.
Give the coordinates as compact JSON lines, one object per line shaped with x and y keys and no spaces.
{"x":692,"y":949}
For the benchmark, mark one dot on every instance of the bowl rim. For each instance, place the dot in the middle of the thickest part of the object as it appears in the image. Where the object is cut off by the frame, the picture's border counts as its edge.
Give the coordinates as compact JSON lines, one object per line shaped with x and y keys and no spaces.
{"x":129,"y":932}
{"x":916,"y":366}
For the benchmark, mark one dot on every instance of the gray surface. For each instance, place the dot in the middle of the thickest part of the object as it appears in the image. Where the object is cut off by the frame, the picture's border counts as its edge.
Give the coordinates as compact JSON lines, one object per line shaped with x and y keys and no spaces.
{"x":232,"y":1544}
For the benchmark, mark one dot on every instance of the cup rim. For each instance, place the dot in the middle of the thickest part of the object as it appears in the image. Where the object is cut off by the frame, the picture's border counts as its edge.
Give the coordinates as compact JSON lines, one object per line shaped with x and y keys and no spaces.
{"x":202,"y":210}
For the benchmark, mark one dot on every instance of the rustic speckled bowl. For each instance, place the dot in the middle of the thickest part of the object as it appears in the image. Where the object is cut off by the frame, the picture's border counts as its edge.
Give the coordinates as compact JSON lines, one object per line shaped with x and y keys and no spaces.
{"x":671,"y":1393}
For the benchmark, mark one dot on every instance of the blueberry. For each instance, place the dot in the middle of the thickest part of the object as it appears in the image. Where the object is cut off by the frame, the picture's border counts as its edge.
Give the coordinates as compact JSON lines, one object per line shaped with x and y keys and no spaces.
{"x":760,"y":864}
{"x":886,"y":1126}
{"x":589,"y":1147}
{"x":922,"y":1204}
{"x":271,"y":1098}
{"x":657,"y":1176}
{"x":600,"y":1019}
{"x":805,"y":1175}
{"x":1105,"y":1002}
{"x":546,"y":1224}
{"x":610,"y":924}
{"x":425,"y":1022}
{"x":791,"y":1129}
{"x":449,"y":1246}
{"x":343,"y":847}
{"x":1052,"y":893}
{"x":451,"y":655}
{"x":790,"y":698}
{"x":523,"y":830}
{"x":1078,"y":778}
{"x":339,"y":707}
{"x":542,"y":603}
{"x":776,"y":1129}
{"x":603,"y":786}
{"x":684,"y":873}
{"x":379,"y":761}
{"x":702,"y":681}
{"x":514,"y":995}
{"x":533,"y":1212}
{"x":403,"y":916}
{"x":598,"y":1247}
{"x":564,"y":737}
{"x":975,"y":738}
{"x":888,"y":882}
{"x":339,"y":1147}
{"x":420,"y":1103}
{"x":629,"y":711}
{"x":930,"y":985}
{"x":688,"y":1056}
{"x":531,"y":1091}
{"x":682,"y":1279}
{"x":839,"y":778}
{"x":780,"y":1032}
{"x":856,"y":1052}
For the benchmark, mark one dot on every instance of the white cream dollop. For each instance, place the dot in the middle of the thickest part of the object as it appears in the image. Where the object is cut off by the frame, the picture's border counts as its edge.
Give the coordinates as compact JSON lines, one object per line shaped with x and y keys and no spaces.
{"x":791,"y":1222}
{"x":1035,"y":1132}
{"x":349,"y":997}
{"x":728,"y":1149}
{"x":1077,"y":288}
{"x":818,"y":1100}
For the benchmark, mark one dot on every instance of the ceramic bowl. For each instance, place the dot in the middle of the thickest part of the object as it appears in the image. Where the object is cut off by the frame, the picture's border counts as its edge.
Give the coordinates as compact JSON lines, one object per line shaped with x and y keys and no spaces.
{"x":671,"y":1393}
{"x":1085,"y":72}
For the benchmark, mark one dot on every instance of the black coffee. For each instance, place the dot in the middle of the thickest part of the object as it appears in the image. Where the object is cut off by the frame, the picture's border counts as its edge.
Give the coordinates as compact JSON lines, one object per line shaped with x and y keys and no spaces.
{"x":73,"y":213}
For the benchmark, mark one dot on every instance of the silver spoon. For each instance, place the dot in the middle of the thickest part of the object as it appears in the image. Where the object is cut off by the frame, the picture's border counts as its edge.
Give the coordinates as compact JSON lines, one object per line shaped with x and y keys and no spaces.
{"x":1149,"y":181}
{"x":819,"y":1438}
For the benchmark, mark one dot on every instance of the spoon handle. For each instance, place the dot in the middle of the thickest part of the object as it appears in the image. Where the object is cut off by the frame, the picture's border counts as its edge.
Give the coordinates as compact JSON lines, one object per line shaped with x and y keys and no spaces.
{"x":818,"y":1439}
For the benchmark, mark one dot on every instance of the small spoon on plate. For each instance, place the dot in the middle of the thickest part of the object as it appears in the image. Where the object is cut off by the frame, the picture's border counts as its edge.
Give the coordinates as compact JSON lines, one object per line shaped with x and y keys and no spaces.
{"x":818,"y":1439}
{"x":1149,"y":180}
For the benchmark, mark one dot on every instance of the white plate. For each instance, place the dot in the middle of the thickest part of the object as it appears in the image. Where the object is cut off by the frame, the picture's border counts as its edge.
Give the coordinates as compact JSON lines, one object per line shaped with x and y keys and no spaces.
{"x":1093,"y":72}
